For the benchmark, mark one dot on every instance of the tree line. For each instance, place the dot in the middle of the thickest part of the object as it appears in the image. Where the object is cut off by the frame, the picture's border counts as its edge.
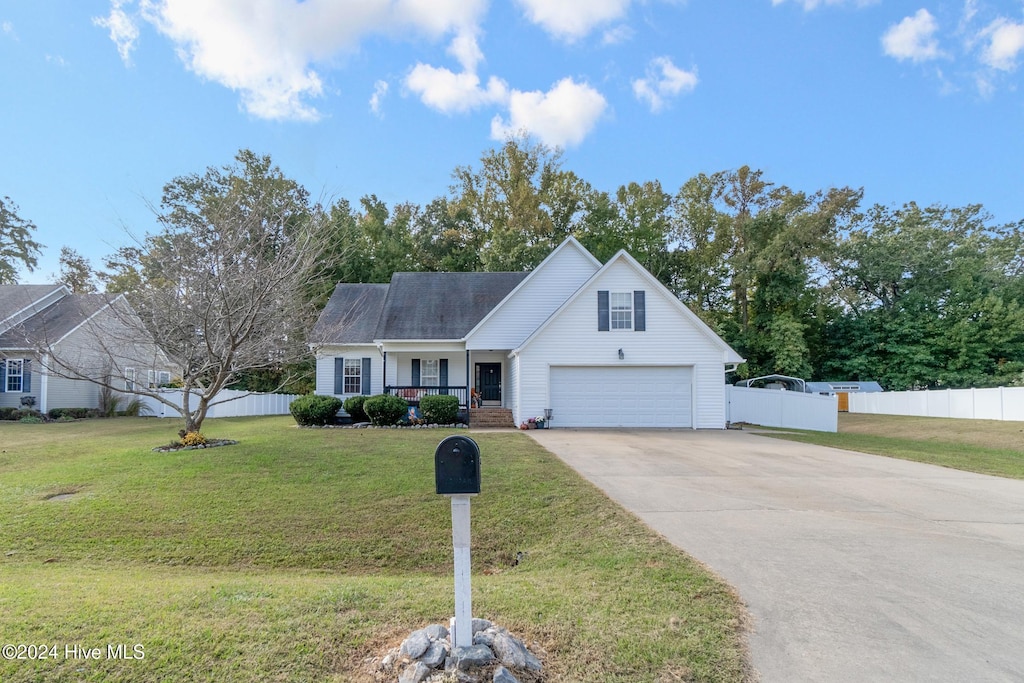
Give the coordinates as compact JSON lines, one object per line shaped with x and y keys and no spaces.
{"x":810,"y":284}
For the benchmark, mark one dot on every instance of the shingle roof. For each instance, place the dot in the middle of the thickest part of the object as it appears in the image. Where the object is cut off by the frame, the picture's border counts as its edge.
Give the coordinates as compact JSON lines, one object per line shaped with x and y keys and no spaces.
{"x":14,"y":298}
{"x":441,"y":305}
{"x":55,"y":321}
{"x":351,"y":314}
{"x":412,"y":306}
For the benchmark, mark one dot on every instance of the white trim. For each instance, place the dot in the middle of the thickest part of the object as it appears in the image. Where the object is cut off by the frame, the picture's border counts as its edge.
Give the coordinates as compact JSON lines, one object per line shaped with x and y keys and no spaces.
{"x":653,"y":281}
{"x":522,"y":283}
{"x":44,"y":384}
{"x":14,"y":315}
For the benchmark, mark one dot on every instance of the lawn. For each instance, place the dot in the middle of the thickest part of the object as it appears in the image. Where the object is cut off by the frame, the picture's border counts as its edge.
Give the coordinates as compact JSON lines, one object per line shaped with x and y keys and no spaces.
{"x":983,"y":446}
{"x":298,"y":554}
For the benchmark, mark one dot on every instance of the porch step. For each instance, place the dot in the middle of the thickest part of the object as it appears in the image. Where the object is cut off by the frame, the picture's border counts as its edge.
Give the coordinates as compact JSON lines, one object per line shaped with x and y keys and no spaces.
{"x":490,"y":417}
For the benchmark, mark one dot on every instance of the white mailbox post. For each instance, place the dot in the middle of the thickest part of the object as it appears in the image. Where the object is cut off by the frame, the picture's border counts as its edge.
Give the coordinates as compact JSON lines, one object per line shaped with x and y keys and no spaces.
{"x":457,"y":475}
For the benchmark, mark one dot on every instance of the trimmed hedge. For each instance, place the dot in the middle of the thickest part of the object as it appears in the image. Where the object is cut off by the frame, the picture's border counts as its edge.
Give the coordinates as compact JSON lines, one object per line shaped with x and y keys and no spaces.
{"x":315,"y":410}
{"x":76,"y":413}
{"x":354,"y":407}
{"x":385,"y":410}
{"x":441,"y":410}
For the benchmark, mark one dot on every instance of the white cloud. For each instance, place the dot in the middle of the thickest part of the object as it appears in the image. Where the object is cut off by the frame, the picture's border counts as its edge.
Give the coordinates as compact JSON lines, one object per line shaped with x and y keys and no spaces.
{"x":122,"y":28}
{"x":617,"y":35}
{"x":56,"y":60}
{"x":561,"y":117}
{"x":450,"y":92}
{"x":1005,"y":40}
{"x":8,"y":29}
{"x":573,"y":19}
{"x":268,"y":50}
{"x":380,"y":89}
{"x":809,"y":5}
{"x":913,"y":38}
{"x":663,"y":80}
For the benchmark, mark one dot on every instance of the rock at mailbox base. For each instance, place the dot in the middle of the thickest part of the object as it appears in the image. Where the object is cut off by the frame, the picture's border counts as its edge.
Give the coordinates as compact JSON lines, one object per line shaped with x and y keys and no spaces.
{"x":466,"y":658}
{"x":416,"y":644}
{"x":416,"y":672}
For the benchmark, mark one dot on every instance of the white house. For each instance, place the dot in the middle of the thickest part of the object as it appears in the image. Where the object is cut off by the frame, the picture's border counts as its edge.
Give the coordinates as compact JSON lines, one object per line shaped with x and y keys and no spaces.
{"x":52,"y":341}
{"x":592,"y":345}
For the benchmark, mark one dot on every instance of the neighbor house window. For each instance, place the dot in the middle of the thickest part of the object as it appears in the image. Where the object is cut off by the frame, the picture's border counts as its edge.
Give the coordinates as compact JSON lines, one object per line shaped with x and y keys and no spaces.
{"x":430,"y":373}
{"x":622,"y":310}
{"x":15,"y":375}
{"x":129,"y":379}
{"x":353,"y":375}
{"x":163,"y":378}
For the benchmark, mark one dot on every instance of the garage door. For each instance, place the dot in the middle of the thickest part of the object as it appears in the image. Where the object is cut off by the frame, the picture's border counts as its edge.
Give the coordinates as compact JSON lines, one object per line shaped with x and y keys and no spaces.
{"x":621,"y":396}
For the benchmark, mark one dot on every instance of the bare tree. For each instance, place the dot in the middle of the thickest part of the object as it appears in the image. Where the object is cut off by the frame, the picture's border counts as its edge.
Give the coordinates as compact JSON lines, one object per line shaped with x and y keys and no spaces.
{"x":222,"y":288}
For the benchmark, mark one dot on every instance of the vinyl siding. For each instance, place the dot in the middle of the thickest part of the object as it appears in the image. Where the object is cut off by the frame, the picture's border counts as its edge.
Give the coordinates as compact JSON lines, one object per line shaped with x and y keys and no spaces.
{"x":670,"y":339}
{"x":325,"y":368}
{"x":541,"y":294}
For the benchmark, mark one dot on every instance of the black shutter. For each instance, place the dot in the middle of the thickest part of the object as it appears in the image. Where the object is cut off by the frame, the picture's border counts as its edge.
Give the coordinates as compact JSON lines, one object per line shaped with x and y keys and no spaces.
{"x":339,"y":375}
{"x":639,"y":311}
{"x":603,"y":316}
{"x":415,"y":372}
{"x":443,"y":374}
{"x":3,"y":375}
{"x":26,"y":376}
{"x":366,"y":377}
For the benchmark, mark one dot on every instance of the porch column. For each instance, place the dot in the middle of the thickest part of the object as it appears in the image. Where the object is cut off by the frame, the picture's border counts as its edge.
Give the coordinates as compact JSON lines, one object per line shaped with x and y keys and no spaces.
{"x":469,"y":392}
{"x":384,"y":374}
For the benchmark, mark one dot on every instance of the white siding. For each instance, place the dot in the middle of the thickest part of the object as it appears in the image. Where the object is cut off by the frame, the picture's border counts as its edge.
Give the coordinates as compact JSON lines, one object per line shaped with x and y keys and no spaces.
{"x":539,"y":296}
{"x":671,"y":338}
{"x":511,"y":388}
{"x":69,"y":393}
{"x":325,"y":367}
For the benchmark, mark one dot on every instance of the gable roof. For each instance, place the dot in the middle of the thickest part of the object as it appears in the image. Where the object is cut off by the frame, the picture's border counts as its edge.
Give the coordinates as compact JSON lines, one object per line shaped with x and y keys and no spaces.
{"x":16,"y":298}
{"x":54,"y":322}
{"x":441,"y":305}
{"x":351,"y":314}
{"x":729,"y":354}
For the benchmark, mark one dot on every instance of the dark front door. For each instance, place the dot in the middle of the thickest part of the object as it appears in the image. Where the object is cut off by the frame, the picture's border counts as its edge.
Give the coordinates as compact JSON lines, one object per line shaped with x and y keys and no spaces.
{"x":488,"y":381}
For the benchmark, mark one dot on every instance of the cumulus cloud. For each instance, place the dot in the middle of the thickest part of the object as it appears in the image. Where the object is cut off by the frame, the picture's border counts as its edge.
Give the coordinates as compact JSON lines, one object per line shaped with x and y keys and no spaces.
{"x":809,"y":5}
{"x":122,"y":29}
{"x":573,"y":19}
{"x":380,"y":89}
{"x":913,"y":38}
{"x":1004,"y":40}
{"x":450,"y":92}
{"x":561,"y":117}
{"x":663,"y":80}
{"x":268,"y":50}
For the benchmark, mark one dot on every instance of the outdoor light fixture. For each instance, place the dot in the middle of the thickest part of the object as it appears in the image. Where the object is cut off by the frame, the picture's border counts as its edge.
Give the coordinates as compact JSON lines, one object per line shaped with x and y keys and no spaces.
{"x":622,"y":356}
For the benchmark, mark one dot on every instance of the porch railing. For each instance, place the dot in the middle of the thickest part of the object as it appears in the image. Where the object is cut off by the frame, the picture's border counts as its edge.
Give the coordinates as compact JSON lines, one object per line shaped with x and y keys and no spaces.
{"x":413,"y":394}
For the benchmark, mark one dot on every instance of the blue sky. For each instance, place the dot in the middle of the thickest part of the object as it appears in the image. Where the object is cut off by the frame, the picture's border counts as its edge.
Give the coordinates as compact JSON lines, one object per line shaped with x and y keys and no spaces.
{"x":104,"y":101}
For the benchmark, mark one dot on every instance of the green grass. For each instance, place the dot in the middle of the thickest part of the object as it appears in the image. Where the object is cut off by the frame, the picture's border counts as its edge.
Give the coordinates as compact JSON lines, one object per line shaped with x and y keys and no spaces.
{"x":298,"y":554}
{"x":983,"y":446}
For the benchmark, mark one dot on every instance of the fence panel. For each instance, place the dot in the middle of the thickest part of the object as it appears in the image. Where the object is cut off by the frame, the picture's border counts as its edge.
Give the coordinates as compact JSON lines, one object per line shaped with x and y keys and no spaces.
{"x":1001,"y":403}
{"x":774,"y":408}
{"x":227,"y":403}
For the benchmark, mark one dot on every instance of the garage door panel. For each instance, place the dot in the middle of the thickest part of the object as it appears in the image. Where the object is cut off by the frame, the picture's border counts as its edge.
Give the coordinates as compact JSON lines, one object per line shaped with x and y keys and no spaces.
{"x":621,"y":396}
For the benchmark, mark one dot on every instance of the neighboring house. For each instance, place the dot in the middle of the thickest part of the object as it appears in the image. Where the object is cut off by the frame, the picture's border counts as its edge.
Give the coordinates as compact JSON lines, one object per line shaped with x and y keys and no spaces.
{"x":597,"y":346}
{"x":52,"y":340}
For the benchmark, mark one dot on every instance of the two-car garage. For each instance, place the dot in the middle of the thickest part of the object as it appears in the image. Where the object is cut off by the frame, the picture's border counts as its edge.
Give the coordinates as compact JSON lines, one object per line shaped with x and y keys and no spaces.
{"x":621,"y":396}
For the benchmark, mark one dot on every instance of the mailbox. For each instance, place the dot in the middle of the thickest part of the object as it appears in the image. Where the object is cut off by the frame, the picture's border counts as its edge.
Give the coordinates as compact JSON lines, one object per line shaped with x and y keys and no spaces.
{"x":457,"y":466}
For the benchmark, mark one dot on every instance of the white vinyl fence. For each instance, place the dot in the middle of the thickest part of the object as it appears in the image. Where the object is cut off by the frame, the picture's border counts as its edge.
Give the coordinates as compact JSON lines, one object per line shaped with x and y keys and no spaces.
{"x":228,"y":403}
{"x":1001,"y":403}
{"x":775,"y":408}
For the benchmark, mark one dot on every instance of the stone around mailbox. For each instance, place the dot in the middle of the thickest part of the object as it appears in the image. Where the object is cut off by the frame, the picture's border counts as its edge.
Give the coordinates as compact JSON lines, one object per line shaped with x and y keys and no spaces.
{"x":457,"y":466}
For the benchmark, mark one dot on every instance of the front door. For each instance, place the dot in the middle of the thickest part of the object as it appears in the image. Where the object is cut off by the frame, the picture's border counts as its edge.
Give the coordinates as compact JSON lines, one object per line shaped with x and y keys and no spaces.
{"x":488,"y":381}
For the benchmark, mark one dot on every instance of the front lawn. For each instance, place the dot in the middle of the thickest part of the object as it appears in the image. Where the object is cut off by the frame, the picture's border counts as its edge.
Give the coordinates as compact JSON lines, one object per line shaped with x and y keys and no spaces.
{"x":297,"y":554}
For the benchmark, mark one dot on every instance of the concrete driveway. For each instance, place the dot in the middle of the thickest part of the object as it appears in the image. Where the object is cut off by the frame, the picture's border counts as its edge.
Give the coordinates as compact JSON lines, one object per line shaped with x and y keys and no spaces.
{"x":854,"y":567}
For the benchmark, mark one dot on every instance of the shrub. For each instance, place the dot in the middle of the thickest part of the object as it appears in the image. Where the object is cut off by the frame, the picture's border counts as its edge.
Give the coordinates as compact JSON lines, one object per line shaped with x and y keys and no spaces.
{"x":315,"y":410}
{"x":442,"y":410}
{"x":32,"y":419}
{"x":354,"y":407}
{"x":7,"y":413}
{"x":193,"y":439}
{"x":385,"y":410}
{"x":70,"y":413}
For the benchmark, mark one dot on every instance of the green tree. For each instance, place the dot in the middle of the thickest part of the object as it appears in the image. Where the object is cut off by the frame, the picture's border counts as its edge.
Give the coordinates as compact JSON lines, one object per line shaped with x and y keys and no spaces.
{"x":17,"y":248}
{"x":76,"y":272}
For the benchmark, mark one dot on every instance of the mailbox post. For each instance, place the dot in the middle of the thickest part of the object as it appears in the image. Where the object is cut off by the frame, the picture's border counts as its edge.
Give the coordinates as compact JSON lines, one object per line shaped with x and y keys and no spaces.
{"x":457,"y":475}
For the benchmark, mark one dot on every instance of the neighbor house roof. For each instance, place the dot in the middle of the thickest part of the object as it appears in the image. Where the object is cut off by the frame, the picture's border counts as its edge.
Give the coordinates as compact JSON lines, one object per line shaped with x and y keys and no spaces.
{"x":351,"y":314}
{"x":55,"y":321}
{"x":15,"y":298}
{"x":413,"y":306}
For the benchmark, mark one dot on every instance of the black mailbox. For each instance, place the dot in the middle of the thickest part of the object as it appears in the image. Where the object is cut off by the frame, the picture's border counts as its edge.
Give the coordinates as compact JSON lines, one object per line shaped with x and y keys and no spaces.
{"x":457,"y":466}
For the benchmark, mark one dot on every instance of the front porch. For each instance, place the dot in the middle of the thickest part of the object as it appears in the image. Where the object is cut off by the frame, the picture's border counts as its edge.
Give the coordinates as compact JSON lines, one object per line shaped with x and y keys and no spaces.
{"x":476,"y":378}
